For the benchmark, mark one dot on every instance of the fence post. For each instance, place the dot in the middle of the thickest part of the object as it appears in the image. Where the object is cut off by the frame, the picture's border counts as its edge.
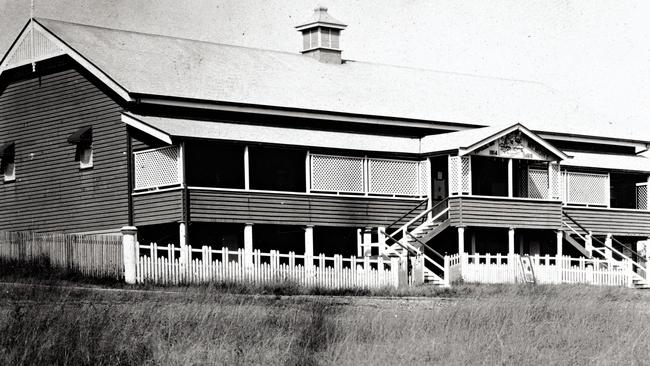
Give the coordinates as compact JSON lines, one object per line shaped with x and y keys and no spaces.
{"x":403,"y":272}
{"x":418,"y":270}
{"x":128,"y":251}
{"x":447,"y":275}
{"x":395,"y":271}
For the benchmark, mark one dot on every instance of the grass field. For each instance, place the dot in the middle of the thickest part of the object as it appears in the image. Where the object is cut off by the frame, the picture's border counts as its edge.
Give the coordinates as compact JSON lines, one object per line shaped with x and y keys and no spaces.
{"x":476,"y":325}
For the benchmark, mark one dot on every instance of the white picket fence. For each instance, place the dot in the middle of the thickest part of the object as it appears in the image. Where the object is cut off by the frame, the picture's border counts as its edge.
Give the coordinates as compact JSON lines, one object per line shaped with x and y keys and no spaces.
{"x":487,"y":268}
{"x":171,"y":265}
{"x":90,"y":255}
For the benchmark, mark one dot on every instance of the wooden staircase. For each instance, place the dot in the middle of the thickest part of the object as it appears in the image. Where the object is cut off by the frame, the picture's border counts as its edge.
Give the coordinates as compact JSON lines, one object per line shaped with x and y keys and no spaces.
{"x":640,"y":274}
{"x":406,"y":241}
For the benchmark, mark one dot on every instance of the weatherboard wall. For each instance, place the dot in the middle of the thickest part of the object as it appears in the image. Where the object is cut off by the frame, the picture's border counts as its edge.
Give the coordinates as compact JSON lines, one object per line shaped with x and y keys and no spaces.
{"x":51,"y":193}
{"x":295,"y":209}
{"x":505,"y":212}
{"x":602,"y":221}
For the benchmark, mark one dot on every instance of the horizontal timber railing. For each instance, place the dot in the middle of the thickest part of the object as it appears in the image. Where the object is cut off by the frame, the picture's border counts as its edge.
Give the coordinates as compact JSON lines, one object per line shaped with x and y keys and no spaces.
{"x":90,"y":255}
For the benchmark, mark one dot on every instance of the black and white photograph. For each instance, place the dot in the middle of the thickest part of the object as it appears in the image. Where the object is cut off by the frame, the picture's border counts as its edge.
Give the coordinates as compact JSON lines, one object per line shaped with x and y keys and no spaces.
{"x":291,"y":182}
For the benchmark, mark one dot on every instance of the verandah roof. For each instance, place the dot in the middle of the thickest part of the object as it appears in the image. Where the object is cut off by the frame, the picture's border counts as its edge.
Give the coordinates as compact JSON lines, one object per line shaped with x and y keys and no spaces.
{"x":165,"y":128}
{"x":636,"y":163}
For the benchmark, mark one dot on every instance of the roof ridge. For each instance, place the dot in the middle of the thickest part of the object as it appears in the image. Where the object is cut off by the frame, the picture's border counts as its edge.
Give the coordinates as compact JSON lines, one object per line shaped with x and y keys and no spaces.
{"x":406,"y":67}
{"x":166,"y":36}
{"x":417,"y":68}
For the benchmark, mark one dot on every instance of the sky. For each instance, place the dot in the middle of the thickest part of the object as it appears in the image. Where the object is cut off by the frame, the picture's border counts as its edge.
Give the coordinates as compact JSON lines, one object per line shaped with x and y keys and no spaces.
{"x":594,"y":54}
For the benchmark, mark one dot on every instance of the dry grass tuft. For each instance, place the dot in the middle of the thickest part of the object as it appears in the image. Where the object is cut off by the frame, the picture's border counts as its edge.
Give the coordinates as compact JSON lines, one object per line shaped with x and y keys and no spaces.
{"x":471,"y":325}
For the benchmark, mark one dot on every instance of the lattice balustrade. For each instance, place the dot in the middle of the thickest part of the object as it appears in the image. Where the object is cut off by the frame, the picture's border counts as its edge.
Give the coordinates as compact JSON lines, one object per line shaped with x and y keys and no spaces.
{"x":331,"y":173}
{"x":555,"y":181}
{"x":588,"y":188}
{"x":398,"y":177}
{"x":537,"y":183}
{"x":157,"y":167}
{"x":454,"y":163}
{"x":425,"y":177}
{"x":642,"y":196}
{"x":466,"y":174}
{"x":563,"y":183}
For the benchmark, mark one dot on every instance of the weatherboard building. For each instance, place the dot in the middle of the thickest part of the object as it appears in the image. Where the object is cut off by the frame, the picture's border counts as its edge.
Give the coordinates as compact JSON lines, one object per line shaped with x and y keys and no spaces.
{"x":198,"y":143}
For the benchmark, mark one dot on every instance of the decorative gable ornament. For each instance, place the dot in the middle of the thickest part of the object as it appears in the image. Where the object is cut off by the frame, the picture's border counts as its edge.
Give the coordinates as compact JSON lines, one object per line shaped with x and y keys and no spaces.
{"x":515,"y":145}
{"x":32,"y":46}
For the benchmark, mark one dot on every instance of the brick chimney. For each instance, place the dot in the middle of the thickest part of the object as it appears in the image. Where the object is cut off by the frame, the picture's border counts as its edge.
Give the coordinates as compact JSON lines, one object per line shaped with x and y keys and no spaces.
{"x":320,"y":36}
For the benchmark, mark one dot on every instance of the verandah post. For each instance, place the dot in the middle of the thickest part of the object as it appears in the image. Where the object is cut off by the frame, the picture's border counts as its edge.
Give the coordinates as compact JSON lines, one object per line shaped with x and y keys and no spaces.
{"x":309,"y":247}
{"x":461,"y":239}
{"x":511,"y":254}
{"x":248,"y":245}
{"x":461,"y":249}
{"x":128,"y":251}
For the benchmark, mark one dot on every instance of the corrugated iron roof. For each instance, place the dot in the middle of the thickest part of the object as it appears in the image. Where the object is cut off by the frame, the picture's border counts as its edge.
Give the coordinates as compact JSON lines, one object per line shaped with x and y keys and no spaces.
{"x":636,"y":163}
{"x":173,"y":67}
{"x":179,"y":127}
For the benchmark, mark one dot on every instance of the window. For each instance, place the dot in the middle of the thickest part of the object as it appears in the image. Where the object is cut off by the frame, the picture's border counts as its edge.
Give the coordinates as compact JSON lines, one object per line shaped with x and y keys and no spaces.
{"x":8,"y":162}
{"x":85,"y":156}
{"x":83,"y":138}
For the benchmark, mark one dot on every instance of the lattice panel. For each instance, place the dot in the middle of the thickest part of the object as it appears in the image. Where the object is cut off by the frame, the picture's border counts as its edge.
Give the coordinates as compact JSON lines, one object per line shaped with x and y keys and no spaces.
{"x":537,"y":183}
{"x":642,"y":196}
{"x":331,"y":173}
{"x":466,"y":174}
{"x":563,"y":183}
{"x":454,"y":163}
{"x":425,"y":178}
{"x":399,"y":177}
{"x":555,"y":181}
{"x":157,"y":167}
{"x":588,"y":188}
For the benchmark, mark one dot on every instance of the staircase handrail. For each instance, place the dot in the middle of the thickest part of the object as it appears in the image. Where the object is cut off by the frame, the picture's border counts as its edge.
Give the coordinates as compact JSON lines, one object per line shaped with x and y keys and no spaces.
{"x":634,"y":252}
{"x":413,"y":249}
{"x":575,"y":222}
{"x":444,"y":203}
{"x":574,"y":231}
{"x":634,"y":263}
{"x":428,"y":259}
{"x":425,"y":201}
{"x":426,"y":246}
{"x":427,"y":211}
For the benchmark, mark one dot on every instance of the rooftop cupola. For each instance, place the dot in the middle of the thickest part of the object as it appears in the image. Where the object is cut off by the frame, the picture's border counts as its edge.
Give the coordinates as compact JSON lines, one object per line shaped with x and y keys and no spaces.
{"x":320,"y":36}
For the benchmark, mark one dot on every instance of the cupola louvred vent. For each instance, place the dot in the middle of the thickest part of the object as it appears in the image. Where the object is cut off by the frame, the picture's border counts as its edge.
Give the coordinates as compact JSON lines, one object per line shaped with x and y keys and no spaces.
{"x":321,"y":35}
